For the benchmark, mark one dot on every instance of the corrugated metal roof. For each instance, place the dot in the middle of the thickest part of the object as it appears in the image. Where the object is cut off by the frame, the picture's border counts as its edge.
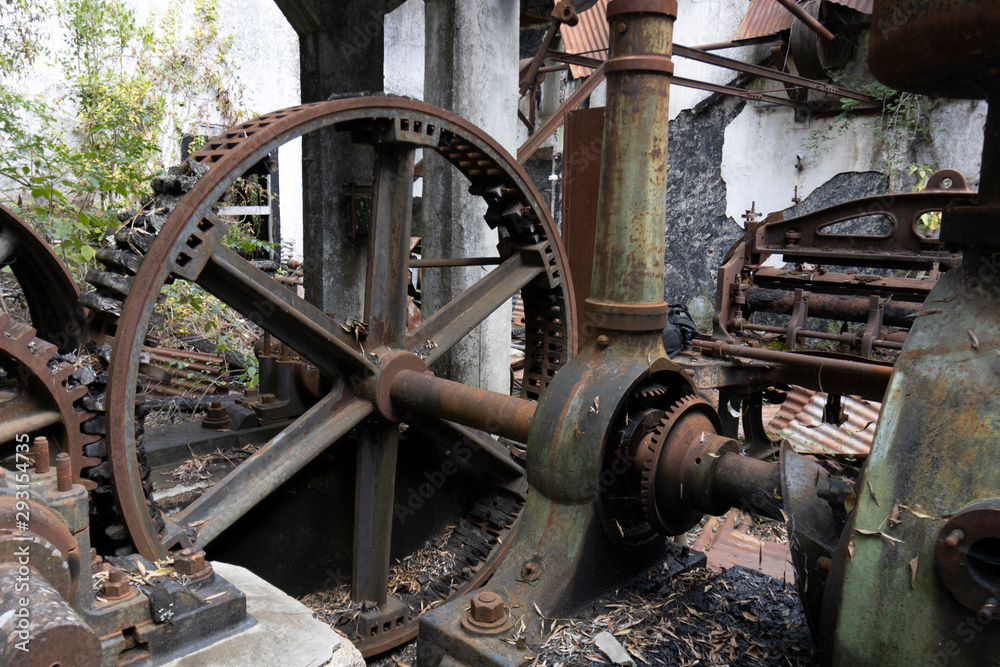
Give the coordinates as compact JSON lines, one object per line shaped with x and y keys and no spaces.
{"x":767,"y":17}
{"x":763,"y":17}
{"x":588,"y":37}
{"x":800,"y":420}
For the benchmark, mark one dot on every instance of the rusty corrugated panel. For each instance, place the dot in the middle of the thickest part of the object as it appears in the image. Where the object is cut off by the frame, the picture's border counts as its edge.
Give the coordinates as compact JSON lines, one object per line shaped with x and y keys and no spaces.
{"x":800,"y":420}
{"x":727,"y":541}
{"x":588,"y":37}
{"x":763,"y":17}
{"x":767,"y":17}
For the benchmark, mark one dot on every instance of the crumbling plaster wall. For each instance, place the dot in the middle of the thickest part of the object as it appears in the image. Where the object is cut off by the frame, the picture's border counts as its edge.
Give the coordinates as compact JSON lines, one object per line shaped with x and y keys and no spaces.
{"x":728,"y":155}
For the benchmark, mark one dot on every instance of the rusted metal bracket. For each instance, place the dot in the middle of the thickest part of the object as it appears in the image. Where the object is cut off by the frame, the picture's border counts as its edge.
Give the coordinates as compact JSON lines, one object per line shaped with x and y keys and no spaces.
{"x":800,"y":313}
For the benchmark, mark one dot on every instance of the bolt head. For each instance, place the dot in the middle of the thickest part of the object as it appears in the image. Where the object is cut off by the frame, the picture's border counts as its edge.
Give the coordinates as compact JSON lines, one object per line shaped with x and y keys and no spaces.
{"x":603,"y":341}
{"x":190,"y":562}
{"x":487,"y":607}
{"x":116,"y":586}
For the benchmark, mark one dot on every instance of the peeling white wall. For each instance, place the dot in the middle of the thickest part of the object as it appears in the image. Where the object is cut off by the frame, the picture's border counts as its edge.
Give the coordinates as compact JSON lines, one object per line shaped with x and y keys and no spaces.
{"x":707,"y":22}
{"x":766,"y":156}
{"x":265,"y":54}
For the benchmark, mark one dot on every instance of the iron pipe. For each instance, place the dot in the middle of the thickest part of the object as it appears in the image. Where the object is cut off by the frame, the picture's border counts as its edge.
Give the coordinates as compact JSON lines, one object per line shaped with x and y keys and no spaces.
{"x":848,"y":338}
{"x":831,"y":306}
{"x":627,"y":280}
{"x":837,"y":376}
{"x":423,"y":393}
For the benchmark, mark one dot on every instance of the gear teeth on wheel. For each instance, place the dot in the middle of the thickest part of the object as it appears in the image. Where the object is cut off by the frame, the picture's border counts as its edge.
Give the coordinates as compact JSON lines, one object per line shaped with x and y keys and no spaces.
{"x":20,"y":346}
{"x":133,"y":240}
{"x":652,"y":447}
{"x":652,"y":393}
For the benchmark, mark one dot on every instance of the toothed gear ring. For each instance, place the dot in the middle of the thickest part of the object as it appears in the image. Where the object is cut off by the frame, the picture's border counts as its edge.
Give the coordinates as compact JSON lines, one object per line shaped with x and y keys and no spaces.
{"x":686,"y":419}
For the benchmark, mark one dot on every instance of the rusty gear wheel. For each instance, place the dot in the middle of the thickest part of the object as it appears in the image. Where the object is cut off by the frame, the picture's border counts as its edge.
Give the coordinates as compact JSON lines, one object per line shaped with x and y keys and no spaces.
{"x":49,"y":290}
{"x":189,"y":247}
{"x":42,"y":389}
{"x":687,"y":418}
{"x":53,"y":383}
{"x":40,"y":394}
{"x":111,"y":284}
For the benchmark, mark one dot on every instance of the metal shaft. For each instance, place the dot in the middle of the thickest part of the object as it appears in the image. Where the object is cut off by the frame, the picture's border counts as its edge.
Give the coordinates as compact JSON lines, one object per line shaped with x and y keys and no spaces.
{"x":836,"y":376}
{"x":489,"y":411}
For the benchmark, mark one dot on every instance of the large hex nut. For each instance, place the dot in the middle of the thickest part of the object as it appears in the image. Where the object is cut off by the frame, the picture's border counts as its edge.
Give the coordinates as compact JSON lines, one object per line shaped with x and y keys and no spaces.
{"x":487,"y":607}
{"x":116,"y":586}
{"x":486,"y":615}
{"x":192,"y":564}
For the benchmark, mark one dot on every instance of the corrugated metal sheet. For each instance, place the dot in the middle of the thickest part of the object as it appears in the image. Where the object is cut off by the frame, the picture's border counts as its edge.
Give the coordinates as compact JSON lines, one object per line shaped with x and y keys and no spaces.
{"x":588,"y":37}
{"x":767,"y":17}
{"x":726,"y":541}
{"x":763,"y":17}
{"x":800,"y":420}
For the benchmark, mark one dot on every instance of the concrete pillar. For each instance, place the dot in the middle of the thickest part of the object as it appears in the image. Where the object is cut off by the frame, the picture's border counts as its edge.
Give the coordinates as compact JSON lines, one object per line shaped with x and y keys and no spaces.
{"x":470,"y":69}
{"x":341,"y":53}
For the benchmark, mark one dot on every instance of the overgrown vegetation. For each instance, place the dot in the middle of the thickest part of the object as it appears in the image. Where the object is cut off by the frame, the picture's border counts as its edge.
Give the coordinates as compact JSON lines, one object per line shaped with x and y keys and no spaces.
{"x":902,"y":124}
{"x":127,"y":89}
{"x":74,"y":157}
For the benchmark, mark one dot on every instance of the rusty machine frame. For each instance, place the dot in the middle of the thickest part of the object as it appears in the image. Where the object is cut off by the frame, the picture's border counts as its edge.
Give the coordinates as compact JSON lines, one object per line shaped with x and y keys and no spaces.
{"x":622,"y":448}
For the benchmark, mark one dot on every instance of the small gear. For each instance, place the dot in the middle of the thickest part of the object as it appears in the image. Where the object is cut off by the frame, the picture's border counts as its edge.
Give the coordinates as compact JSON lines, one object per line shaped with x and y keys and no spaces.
{"x":42,"y":389}
{"x":702,"y":416}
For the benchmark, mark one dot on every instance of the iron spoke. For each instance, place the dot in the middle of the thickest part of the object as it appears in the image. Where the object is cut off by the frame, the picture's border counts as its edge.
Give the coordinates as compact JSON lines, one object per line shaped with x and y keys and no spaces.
{"x":439,"y":332}
{"x":375,"y":481}
{"x":289,"y":318}
{"x":389,"y":245}
{"x":272,"y":465}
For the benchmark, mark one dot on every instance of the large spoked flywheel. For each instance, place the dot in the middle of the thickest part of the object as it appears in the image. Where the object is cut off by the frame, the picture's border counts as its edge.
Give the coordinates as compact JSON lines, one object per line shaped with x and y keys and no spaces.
{"x":357,"y":370}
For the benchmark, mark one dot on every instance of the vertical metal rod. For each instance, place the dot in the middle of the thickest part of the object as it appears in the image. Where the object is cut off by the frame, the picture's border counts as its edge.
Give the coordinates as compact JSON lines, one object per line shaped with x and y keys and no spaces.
{"x":373,"y":495}
{"x":41,"y":455}
{"x":627,"y":284}
{"x":64,"y":472}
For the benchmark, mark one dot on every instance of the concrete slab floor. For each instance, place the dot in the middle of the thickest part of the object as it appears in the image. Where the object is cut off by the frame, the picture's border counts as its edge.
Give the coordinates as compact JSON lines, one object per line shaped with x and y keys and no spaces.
{"x":285,"y":634}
